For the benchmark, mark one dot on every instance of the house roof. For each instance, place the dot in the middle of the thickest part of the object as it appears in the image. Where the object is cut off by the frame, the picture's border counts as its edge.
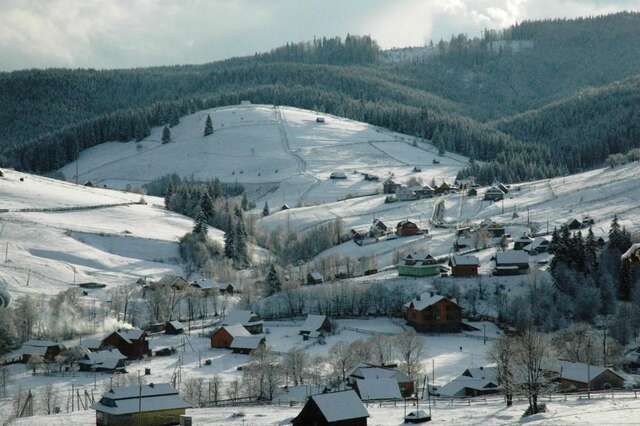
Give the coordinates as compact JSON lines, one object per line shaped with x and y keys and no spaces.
{"x":424,"y":300}
{"x":203,"y":284}
{"x":579,"y":371}
{"x":465,"y":260}
{"x":108,"y":359}
{"x":460,"y":383}
{"x":313,"y":322}
{"x":405,"y":222}
{"x":488,"y":373}
{"x":169,"y":280}
{"x":524,"y":239}
{"x":41,"y":343}
{"x":315,"y":275}
{"x":136,"y":398}
{"x":176,"y":325}
{"x":369,"y":371}
{"x":537,"y":242}
{"x":511,"y":257}
{"x":338,"y":406}
{"x":373,"y":389}
{"x":130,"y":334}
{"x":239,"y":316}
{"x":235,"y":330}
{"x":246,"y":342}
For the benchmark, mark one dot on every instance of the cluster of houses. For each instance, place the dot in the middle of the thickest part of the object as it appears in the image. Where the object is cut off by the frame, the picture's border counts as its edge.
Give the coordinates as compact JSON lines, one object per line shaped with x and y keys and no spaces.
{"x":379,"y":230}
{"x":203,"y":286}
{"x":399,"y":192}
{"x":496,"y":192}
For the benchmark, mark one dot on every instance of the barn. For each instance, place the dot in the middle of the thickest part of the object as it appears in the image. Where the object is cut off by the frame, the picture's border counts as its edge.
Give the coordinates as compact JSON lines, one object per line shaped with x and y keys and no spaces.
{"x":223,"y":336}
{"x":130,"y":342}
{"x":247,"y":344}
{"x":108,"y":360}
{"x":173,"y":327}
{"x":149,"y":405}
{"x":430,"y":312}
{"x":251,"y":321}
{"x":315,"y":323}
{"x":511,"y":262}
{"x":365,"y":371}
{"x":464,"y":265}
{"x":407,"y":228}
{"x":578,"y":376}
{"x":333,"y":409}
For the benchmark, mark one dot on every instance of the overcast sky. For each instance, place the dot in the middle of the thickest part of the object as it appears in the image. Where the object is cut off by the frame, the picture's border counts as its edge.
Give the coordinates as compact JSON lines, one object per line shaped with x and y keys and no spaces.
{"x":132,"y":33}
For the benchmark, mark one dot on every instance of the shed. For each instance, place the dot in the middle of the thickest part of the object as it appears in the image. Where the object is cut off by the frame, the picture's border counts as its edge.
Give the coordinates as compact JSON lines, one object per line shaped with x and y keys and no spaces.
{"x":246,"y":344}
{"x":407,"y":228}
{"x":315,"y":323}
{"x":430,"y":312}
{"x":250,"y":320}
{"x":46,"y":349}
{"x":173,"y":327}
{"x":342,"y":408}
{"x":511,"y":262}
{"x":315,"y":277}
{"x":337,"y":175}
{"x":150,"y":405}
{"x":572,"y":376}
{"x":131,"y":342}
{"x":222,"y":337}
{"x":464,"y":265}
{"x":108,"y":360}
{"x":365,"y":371}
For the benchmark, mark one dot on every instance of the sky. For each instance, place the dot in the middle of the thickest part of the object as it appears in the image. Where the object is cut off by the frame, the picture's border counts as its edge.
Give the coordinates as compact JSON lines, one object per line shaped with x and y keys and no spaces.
{"x":137,"y":33}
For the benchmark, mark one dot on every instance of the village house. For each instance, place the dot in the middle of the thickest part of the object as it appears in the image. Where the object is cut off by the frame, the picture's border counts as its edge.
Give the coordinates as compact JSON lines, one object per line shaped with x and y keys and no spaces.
{"x":406,"y":228}
{"x":493,"y":194}
{"x":247,"y":344}
{"x":494,"y":229}
{"x":472,"y":382}
{"x":539,"y":245}
{"x":444,"y":188}
{"x":425,"y":192}
{"x":173,"y":327}
{"x":522,"y":242}
{"x":315,"y":324}
{"x":333,"y":409}
{"x":251,"y":321}
{"x":405,"y":194}
{"x":511,"y":262}
{"x":378,"y":229}
{"x":45,"y":349}
{"x":314,"y":277}
{"x":574,"y":224}
{"x":472,"y":192}
{"x":365,"y":371}
{"x":130,"y":342}
{"x":171,"y":281}
{"x":419,"y":266}
{"x":149,"y":405}
{"x":578,"y":376}
{"x":107,"y":360}
{"x":223,"y":336}
{"x":381,"y":389}
{"x":390,"y":187}
{"x":371,"y":178}
{"x":430,"y":312}
{"x":464,"y":265}
{"x":338,"y":175}
{"x":285,"y":207}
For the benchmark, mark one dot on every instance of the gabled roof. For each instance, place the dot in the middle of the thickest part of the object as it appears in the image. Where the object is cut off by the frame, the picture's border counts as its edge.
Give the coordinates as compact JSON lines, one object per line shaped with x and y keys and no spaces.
{"x":579,"y":372}
{"x":130,"y":334}
{"x":488,"y":373}
{"x":425,"y":300}
{"x":460,"y":383}
{"x":465,"y":260}
{"x":369,"y":371}
{"x":246,"y":342}
{"x":108,"y":359}
{"x":176,"y":325}
{"x":145,"y":398}
{"x":239,"y":316}
{"x":339,"y":406}
{"x":511,"y":257}
{"x":405,"y":222}
{"x":313,"y":322}
{"x":235,"y":330}
{"x":316,"y":276}
{"x":375,"y":389}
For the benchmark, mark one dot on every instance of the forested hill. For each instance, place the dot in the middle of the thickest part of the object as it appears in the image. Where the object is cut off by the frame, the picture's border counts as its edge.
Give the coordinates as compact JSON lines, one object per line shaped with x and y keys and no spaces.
{"x":48,"y":115}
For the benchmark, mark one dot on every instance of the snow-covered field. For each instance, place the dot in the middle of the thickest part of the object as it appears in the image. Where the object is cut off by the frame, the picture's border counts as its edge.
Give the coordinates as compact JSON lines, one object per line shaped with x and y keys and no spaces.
{"x":263,"y":144}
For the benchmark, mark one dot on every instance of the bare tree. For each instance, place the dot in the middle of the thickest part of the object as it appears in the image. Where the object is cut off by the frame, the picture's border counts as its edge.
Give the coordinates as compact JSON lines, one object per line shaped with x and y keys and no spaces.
{"x":576,"y":343}
{"x":295,"y":364}
{"x":49,"y":399}
{"x":382,"y":349}
{"x":530,"y":355}
{"x":410,"y":348}
{"x":341,"y":359}
{"x":502,"y":353}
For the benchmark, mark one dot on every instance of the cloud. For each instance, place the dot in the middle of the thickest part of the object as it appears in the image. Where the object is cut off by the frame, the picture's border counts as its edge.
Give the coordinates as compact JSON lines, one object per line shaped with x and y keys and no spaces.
{"x":129,"y":33}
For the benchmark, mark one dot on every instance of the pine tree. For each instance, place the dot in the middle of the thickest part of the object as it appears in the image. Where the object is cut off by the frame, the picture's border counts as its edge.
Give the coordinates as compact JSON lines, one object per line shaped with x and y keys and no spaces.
{"x":240,"y":234}
{"x":615,"y":234}
{"x":206,"y":206}
{"x":166,"y":134}
{"x":208,"y":126}
{"x":265,"y":210}
{"x":272,"y":281}
{"x":245,"y":202}
{"x":230,"y":240}
{"x":590,"y":249}
{"x":200,"y":228}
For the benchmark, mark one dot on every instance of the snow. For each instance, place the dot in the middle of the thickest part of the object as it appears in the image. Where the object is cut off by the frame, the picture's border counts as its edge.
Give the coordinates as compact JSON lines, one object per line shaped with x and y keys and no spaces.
{"x":578,"y":371}
{"x":425,"y":300}
{"x":135,"y":398}
{"x":236,"y":330}
{"x":313,"y":323}
{"x":246,"y":342}
{"x":378,"y":389}
{"x":338,"y":406}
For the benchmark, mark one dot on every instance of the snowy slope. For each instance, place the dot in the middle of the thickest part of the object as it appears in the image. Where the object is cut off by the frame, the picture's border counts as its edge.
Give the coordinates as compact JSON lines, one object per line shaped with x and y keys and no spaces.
{"x":281,"y":147}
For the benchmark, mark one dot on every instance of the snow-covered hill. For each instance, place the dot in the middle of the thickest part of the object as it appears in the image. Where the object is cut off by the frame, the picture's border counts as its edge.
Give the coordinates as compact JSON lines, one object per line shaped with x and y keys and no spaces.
{"x":283,"y":151}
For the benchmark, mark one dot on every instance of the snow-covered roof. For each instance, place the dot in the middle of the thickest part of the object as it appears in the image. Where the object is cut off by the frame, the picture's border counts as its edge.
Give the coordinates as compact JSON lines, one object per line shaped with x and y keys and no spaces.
{"x":176,"y":325}
{"x":524,"y":239}
{"x":313,"y":322}
{"x":368,"y":371}
{"x":425,"y":300}
{"x":374,"y":389}
{"x":537,"y":242}
{"x":634,"y":251}
{"x":457,"y":386}
{"x":239,"y":316}
{"x":235,"y":330}
{"x":317,"y":276}
{"x":579,"y":371}
{"x":41,"y":343}
{"x":488,"y":373}
{"x":465,"y":260}
{"x":130,"y":334}
{"x":136,"y":398}
{"x":246,"y":342}
{"x":107,"y":359}
{"x":511,"y":257}
{"x":338,"y":406}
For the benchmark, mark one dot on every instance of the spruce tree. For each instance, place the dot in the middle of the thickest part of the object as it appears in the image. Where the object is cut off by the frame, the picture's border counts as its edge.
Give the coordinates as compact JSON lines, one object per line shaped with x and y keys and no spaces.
{"x":272,"y":281}
{"x":230,"y":240}
{"x":201,"y":227}
{"x":265,"y":210}
{"x":206,"y":206}
{"x":245,"y":202}
{"x":166,"y":134}
{"x":240,"y":234}
{"x":208,"y":126}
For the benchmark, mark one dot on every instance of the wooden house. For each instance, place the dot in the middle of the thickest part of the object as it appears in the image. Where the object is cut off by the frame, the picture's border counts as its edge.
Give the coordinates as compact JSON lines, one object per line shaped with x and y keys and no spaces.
{"x":333,"y":409}
{"x":285,"y":207}
{"x":502,"y":187}
{"x":314,"y":277}
{"x":173,"y":327}
{"x":406,"y":228}
{"x":130,"y":342}
{"x":495,"y":230}
{"x":380,"y":389}
{"x":371,"y":178}
{"x":390,"y":187}
{"x":315,"y":323}
{"x":472,"y":192}
{"x":171,"y":281}
{"x":471,"y":383}
{"x":378,"y":228}
{"x":366,"y":371}
{"x":522,"y":242}
{"x":107,"y":360}
{"x":430,"y":312}
{"x":425,"y":192}
{"x":493,"y":194}
{"x":247,"y":344}
{"x":45,"y":349}
{"x":149,"y":405}
{"x":577,"y":376}
{"x":511,"y":262}
{"x":464,"y":266}
{"x":222,"y":337}
{"x":444,"y":188}
{"x":251,"y":321}
{"x":574,"y":224}
{"x":418,"y":266}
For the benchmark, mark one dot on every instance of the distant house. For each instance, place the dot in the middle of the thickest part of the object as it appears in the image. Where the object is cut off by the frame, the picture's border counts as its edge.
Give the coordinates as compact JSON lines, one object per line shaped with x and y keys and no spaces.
{"x":315,"y":323}
{"x":406,"y":228}
{"x":365,"y":371}
{"x":496,"y":230}
{"x":431,"y":312}
{"x":390,"y":187}
{"x":149,"y":405}
{"x":502,"y":187}
{"x":382,"y":389}
{"x":511,"y":262}
{"x":572,"y":376}
{"x":333,"y":409}
{"x":425,"y":192}
{"x":222,"y":337}
{"x":464,"y":266}
{"x":371,"y":178}
{"x":285,"y":207}
{"x":107,"y":360}
{"x":131,"y":342}
{"x":45,"y":349}
{"x":320,"y":120}
{"x":251,"y":321}
{"x":171,"y":281}
{"x":493,"y":194}
{"x":173,"y":327}
{"x":419,"y":266}
{"x":574,"y":224}
{"x":538,"y":245}
{"x":208,"y":287}
{"x":378,"y":228}
{"x":246,"y":344}
{"x":472,"y":382}
{"x":406,"y":194}
{"x":315,"y":277}
{"x":522,"y":242}
{"x":444,"y":188}
{"x":338,"y":175}
{"x":472,"y":192}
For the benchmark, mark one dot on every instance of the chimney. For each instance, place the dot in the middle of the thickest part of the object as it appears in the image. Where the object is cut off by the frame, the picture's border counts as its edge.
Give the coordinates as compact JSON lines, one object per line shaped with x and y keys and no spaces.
{"x":432,"y":293}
